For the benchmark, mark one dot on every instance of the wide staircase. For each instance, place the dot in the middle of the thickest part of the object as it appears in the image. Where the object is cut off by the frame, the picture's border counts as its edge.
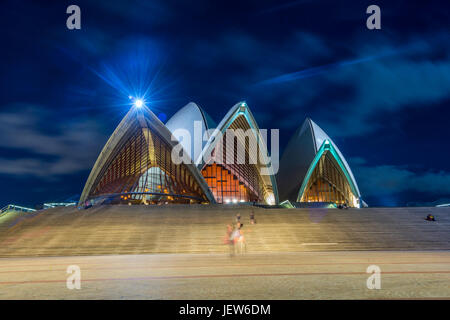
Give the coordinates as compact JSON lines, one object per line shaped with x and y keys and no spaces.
{"x":201,"y":229}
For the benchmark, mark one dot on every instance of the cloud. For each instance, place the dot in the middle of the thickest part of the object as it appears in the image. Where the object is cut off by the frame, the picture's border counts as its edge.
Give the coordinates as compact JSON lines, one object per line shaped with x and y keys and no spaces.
{"x":389,"y":179}
{"x":282,"y":7}
{"x":382,"y":76}
{"x":249,"y":59}
{"x":327,"y":68}
{"x":146,"y":13}
{"x":389,"y":86}
{"x":370,"y":79}
{"x":256,"y":56}
{"x":70,"y":146}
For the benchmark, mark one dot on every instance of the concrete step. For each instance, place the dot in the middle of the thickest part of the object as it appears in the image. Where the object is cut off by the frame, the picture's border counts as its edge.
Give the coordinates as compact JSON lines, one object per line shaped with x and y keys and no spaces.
{"x":201,"y":229}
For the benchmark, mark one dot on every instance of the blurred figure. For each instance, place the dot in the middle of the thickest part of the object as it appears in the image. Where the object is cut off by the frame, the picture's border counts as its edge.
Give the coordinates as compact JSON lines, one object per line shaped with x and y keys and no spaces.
{"x":87,"y":204}
{"x":238,"y":217}
{"x":231,"y":239}
{"x":229,"y":230}
{"x":252,"y":217}
{"x":238,"y":239}
{"x":430,"y":217}
{"x":228,"y":234}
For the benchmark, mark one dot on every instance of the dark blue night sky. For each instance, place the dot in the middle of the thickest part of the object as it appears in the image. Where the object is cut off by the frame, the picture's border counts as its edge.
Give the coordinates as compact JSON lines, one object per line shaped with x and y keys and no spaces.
{"x":382,"y":95}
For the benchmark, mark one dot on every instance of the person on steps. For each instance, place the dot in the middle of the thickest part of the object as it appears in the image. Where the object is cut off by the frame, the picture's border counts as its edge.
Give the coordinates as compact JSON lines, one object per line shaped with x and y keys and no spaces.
{"x":252,"y":217}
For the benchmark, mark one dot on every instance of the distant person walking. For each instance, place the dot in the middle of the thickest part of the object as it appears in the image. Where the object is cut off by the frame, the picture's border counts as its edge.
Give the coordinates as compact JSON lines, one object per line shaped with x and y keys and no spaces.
{"x":252,"y":217}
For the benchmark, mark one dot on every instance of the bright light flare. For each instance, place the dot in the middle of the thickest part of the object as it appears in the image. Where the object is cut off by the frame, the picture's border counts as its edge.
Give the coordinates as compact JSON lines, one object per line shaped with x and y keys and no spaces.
{"x":138,"y":103}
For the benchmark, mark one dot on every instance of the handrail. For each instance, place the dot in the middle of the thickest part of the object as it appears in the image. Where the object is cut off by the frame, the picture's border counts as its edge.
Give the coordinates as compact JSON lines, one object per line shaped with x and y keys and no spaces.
{"x":58,"y":204}
{"x":14,"y":207}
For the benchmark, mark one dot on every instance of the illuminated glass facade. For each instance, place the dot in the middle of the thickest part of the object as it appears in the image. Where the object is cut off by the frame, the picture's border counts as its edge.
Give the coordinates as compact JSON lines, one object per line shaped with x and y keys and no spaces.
{"x":313,"y":169}
{"x":328,"y":183}
{"x":136,"y":165}
{"x":138,"y":168}
{"x":143,"y":165}
{"x":233,"y":172}
{"x":225,"y":186}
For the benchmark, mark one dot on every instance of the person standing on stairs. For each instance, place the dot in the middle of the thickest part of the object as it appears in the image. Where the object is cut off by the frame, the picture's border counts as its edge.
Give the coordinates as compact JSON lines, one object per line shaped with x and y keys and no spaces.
{"x":252,"y":217}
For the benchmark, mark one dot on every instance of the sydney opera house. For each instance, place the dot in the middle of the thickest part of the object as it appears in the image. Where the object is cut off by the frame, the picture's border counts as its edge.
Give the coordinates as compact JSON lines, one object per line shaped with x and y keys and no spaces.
{"x":136,"y":166}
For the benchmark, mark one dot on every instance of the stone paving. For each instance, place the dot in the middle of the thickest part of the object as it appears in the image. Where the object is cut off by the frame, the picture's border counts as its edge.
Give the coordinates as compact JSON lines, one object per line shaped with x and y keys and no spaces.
{"x":302,"y":275}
